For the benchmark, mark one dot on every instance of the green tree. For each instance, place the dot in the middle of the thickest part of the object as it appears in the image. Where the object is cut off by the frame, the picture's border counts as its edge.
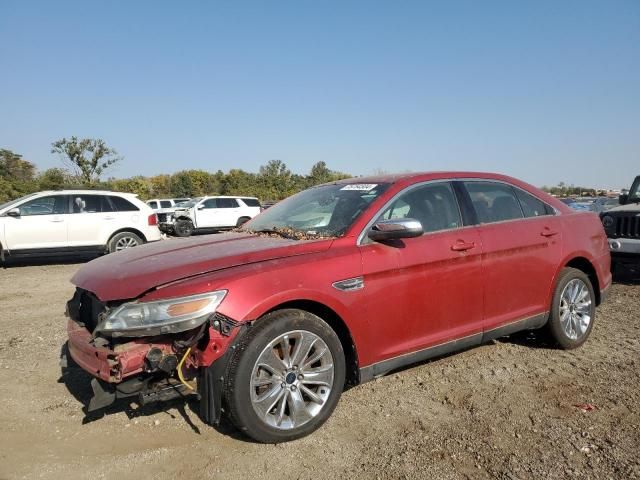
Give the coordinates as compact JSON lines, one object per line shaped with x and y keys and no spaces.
{"x":89,"y":157}
{"x":182,"y":185}
{"x":54,"y":179}
{"x":17,"y":176}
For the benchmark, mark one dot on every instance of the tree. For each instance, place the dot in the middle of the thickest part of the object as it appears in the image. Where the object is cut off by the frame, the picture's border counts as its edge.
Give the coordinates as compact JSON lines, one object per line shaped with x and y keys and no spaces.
{"x":16,"y":175}
{"x":89,"y":157}
{"x":54,"y":179}
{"x":181,"y":185}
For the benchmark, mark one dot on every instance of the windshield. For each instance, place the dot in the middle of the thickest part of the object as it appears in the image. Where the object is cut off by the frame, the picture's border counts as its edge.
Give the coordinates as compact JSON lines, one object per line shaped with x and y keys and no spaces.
{"x":188,"y":203}
{"x":13,"y":202}
{"x":634,"y":193}
{"x":325,"y":211}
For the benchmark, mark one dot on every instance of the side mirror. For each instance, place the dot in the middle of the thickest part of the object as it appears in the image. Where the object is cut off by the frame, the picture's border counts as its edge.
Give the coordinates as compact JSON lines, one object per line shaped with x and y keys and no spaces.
{"x":395,"y":229}
{"x":14,"y":212}
{"x":201,"y":206}
{"x":623,"y":199}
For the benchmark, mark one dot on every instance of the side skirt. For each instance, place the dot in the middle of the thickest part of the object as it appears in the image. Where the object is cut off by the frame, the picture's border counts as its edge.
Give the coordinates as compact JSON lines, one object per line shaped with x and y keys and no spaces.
{"x":379,"y":369}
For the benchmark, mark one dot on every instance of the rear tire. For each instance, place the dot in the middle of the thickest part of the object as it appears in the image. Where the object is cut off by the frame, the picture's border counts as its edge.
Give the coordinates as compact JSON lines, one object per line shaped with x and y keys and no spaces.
{"x":183,"y":228}
{"x":285,"y":377}
{"x":122,"y":241}
{"x":573,"y":309}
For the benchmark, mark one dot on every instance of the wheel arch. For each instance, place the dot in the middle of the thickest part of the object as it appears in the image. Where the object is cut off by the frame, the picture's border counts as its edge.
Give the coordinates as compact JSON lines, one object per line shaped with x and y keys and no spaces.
{"x":586,"y":266}
{"x":339,"y":327}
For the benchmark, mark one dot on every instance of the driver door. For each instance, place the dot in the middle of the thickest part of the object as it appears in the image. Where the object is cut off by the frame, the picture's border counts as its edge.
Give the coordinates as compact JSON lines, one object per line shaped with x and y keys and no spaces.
{"x":42,"y":224}
{"x":428,"y":290}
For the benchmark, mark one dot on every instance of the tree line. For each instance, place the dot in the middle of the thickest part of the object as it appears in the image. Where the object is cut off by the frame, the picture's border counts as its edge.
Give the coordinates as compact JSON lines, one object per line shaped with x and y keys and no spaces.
{"x":86,"y":160}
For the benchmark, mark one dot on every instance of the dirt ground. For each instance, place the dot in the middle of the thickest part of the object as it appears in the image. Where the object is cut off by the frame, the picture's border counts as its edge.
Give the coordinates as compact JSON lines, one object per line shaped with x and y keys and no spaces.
{"x":506,"y":410}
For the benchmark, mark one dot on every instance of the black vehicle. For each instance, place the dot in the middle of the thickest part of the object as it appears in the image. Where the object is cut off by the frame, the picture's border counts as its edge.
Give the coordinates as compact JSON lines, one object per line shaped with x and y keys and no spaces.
{"x":622,"y":225}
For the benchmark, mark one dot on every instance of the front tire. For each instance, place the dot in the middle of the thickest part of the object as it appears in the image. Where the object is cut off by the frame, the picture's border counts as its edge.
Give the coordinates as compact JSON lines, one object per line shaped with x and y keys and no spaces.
{"x":122,"y":241}
{"x":573,"y":309}
{"x":285,"y":377}
{"x":183,"y":228}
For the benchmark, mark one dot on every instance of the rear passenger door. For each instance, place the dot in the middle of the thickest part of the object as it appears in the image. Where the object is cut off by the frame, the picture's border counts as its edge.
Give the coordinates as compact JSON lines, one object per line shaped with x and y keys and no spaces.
{"x":521,"y":240}
{"x":91,"y":215}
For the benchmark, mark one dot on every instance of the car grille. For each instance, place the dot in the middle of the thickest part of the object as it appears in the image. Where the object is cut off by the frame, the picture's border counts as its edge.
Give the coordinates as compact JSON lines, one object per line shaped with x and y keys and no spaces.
{"x":628,"y":226}
{"x":85,"y":308}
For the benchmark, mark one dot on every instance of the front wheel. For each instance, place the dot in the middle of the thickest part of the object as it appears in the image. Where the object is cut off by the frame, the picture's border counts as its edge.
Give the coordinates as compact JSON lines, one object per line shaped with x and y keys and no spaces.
{"x":183,"y":228}
{"x":573,"y":309}
{"x":285,"y":377}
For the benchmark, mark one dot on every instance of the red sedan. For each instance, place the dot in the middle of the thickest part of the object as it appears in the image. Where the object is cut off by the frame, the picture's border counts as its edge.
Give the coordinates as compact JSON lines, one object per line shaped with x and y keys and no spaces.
{"x":335,"y":286}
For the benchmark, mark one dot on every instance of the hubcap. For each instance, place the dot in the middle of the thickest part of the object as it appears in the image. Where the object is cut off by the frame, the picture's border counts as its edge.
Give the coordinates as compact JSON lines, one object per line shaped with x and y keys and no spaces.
{"x":575,"y":309}
{"x":292,"y":379}
{"x":126,"y":242}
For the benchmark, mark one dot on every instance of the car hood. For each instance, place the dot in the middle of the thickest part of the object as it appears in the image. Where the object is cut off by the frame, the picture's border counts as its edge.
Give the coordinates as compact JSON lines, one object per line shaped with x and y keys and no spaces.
{"x":629,"y":207}
{"x":132,"y":272}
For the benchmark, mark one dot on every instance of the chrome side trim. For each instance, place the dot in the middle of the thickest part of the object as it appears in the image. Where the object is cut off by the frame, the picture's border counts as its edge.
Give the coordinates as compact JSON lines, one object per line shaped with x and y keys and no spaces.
{"x":349,"y":284}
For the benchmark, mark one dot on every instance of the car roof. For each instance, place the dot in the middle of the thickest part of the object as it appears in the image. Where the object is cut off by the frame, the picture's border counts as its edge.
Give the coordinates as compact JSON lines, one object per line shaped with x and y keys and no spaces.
{"x":86,"y":192}
{"x":411,"y":177}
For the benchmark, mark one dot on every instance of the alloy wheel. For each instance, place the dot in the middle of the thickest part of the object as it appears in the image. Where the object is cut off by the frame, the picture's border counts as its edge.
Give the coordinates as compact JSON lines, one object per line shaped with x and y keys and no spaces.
{"x":292,"y":379}
{"x":126,"y":242}
{"x":575,"y":309}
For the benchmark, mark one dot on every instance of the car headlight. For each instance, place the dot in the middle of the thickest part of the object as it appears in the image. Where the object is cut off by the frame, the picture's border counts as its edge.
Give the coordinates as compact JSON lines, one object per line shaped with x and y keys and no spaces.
{"x":607,"y":221}
{"x":139,"y":319}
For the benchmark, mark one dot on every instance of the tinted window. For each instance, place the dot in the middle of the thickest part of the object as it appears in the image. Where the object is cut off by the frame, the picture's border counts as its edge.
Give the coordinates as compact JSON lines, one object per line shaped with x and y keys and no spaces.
{"x":123,"y":205}
{"x":227,"y":203}
{"x":434,"y":205}
{"x":53,"y":205}
{"x":531,"y":206}
{"x":153,"y":205}
{"x":211,"y":203}
{"x":494,"y":202}
{"x":165,"y":204}
{"x":90,"y":204}
{"x":251,"y":202}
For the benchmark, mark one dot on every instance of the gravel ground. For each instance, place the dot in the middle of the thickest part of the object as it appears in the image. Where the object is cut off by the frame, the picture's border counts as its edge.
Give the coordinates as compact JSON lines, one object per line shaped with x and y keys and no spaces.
{"x":506,"y":410}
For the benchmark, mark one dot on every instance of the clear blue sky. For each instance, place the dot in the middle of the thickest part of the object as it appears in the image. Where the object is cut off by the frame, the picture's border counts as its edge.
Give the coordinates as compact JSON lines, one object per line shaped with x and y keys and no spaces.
{"x":547,"y":91}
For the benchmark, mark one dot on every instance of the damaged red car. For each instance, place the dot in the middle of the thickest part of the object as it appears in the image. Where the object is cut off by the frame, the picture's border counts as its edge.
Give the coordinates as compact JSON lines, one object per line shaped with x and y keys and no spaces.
{"x":333,"y":287}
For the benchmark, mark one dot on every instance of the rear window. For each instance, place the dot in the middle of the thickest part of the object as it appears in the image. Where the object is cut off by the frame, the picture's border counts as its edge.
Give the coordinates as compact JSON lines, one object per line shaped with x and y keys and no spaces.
{"x":153,"y":205}
{"x":227,"y":203}
{"x":123,"y":205}
{"x":251,"y":202}
{"x":90,"y":204}
{"x":532,"y":206}
{"x":494,"y":202}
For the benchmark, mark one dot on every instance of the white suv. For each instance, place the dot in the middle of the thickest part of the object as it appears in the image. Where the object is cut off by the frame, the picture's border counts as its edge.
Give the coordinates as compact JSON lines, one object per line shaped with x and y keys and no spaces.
{"x":75,"y":221}
{"x":216,"y":213}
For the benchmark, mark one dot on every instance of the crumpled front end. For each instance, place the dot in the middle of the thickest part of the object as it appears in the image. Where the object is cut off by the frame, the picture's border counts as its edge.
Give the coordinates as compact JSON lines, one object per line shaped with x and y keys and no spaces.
{"x":154,"y":368}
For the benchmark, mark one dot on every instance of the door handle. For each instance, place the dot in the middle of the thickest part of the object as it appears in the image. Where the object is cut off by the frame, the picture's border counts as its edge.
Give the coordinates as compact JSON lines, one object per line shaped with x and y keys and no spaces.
{"x":109,"y":218}
{"x":56,"y":220}
{"x":461,"y":246}
{"x":547,"y":232}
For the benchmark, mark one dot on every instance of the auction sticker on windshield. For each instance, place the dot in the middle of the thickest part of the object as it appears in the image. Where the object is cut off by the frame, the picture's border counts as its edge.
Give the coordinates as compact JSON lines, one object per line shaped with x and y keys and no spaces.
{"x":361,"y":187}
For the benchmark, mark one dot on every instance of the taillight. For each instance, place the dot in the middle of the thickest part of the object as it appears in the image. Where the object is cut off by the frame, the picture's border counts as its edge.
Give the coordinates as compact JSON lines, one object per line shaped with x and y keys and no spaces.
{"x":153,"y":219}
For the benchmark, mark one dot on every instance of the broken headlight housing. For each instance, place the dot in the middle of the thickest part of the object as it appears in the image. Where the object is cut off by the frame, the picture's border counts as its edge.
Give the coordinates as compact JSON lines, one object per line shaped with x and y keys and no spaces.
{"x":139,"y":319}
